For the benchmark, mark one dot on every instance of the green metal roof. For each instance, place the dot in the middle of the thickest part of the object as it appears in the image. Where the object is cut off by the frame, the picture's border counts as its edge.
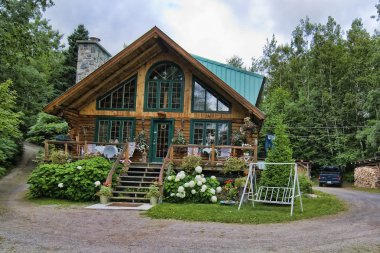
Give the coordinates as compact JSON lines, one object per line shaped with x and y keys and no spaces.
{"x":246,"y":83}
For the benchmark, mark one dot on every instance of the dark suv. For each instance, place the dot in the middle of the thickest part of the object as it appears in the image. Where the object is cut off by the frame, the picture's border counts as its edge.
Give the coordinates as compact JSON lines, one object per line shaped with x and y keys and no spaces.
{"x":330,"y":175}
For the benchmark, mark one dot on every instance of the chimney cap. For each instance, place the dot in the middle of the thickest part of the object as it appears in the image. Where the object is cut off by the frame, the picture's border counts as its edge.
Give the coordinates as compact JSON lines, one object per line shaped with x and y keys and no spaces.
{"x":94,"y":39}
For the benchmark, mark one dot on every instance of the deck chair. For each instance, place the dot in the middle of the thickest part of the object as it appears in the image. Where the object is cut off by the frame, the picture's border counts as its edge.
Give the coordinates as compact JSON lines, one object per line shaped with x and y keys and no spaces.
{"x":192,"y":151}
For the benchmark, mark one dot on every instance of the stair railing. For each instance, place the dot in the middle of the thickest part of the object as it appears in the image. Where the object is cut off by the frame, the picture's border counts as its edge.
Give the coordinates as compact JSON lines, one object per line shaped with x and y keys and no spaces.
{"x":125,"y":152}
{"x":167,"y":159}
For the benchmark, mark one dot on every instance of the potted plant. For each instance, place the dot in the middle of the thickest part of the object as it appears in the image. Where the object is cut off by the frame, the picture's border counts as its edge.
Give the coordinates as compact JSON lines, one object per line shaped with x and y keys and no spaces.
{"x":104,"y":193}
{"x":153,"y":194}
{"x":179,"y":139}
{"x":142,"y":145}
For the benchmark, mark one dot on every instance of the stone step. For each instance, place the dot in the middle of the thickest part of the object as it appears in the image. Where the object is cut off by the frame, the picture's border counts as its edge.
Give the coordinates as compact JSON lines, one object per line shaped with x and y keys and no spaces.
{"x":132,"y":187}
{"x":139,"y":177}
{"x":142,"y":172}
{"x":130,"y":193}
{"x":131,"y":199}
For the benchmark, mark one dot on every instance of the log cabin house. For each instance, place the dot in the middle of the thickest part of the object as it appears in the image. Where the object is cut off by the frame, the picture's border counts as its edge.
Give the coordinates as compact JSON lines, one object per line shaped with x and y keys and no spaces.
{"x":156,"y":86}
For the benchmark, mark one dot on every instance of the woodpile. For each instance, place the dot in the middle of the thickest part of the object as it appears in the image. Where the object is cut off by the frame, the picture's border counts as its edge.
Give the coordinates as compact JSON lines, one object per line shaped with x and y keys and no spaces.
{"x":367,"y":177}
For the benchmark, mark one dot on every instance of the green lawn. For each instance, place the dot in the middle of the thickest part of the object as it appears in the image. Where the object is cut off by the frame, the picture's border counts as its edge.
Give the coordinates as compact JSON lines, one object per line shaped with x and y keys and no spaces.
{"x":325,"y":204}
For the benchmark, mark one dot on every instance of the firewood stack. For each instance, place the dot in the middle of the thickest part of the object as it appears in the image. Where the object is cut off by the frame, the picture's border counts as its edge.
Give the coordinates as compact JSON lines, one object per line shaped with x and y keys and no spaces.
{"x":367,"y":177}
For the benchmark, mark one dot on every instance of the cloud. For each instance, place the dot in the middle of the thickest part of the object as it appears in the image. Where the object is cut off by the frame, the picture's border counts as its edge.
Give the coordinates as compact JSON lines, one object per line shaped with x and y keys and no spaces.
{"x":215,"y":29}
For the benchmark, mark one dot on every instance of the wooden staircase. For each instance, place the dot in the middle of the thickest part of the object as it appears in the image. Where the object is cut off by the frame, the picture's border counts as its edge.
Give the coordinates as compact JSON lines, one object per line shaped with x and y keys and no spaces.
{"x":134,"y":184}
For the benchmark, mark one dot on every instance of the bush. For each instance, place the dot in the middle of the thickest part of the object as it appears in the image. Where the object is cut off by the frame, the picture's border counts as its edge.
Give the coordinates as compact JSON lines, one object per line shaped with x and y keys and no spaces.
{"x":2,"y":171}
{"x":305,"y":184}
{"x":59,"y":157}
{"x":233,"y":164}
{"x":182,"y":187}
{"x":72,"y":181}
{"x":349,"y":177}
{"x":190,"y":162}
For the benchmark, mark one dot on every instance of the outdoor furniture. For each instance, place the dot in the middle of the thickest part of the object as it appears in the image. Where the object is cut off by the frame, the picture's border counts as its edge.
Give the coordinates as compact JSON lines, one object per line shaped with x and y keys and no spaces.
{"x":110,"y":151}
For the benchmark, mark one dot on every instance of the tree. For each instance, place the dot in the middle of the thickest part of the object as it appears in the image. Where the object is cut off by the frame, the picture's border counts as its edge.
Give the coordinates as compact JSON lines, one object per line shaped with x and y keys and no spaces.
{"x":47,"y":127}
{"x":10,"y":135}
{"x":71,"y":59}
{"x":236,"y":61}
{"x":278,"y":175}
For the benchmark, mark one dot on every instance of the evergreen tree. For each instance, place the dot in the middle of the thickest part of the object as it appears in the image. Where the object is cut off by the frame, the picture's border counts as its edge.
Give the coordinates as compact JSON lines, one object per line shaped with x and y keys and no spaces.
{"x":71,"y":58}
{"x":236,"y":61}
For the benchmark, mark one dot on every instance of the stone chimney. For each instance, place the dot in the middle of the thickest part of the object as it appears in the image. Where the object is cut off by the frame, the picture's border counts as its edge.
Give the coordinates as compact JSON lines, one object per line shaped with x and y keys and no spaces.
{"x":91,"y":55}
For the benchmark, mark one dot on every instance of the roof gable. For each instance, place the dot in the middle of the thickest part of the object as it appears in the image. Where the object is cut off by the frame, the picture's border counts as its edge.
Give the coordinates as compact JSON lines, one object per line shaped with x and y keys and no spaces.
{"x":137,"y":53}
{"x":248,"y":84}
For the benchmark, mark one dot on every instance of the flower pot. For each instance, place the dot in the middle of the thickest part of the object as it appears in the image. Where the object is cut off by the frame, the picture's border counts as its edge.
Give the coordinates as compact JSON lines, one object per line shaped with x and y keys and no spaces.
{"x":153,"y":201}
{"x":103,"y":199}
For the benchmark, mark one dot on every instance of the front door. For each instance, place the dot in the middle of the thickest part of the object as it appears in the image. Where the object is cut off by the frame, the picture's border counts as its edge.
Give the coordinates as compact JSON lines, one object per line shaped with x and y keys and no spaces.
{"x":162,"y":132}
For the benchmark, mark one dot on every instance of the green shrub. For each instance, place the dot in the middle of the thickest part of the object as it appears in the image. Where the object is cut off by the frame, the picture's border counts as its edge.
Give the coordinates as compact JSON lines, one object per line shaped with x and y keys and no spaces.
{"x":349,"y":177}
{"x":305,"y":184}
{"x":59,"y":157}
{"x":72,"y":181}
{"x":2,"y":171}
{"x":233,"y":164}
{"x":190,"y":162}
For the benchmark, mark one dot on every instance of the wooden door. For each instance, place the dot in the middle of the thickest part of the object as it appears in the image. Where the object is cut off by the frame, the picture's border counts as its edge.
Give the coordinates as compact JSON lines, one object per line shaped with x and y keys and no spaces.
{"x":161,"y":136}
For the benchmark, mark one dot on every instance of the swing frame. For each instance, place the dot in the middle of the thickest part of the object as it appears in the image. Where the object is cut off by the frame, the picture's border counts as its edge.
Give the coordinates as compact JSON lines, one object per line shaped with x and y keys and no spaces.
{"x":272,"y":194}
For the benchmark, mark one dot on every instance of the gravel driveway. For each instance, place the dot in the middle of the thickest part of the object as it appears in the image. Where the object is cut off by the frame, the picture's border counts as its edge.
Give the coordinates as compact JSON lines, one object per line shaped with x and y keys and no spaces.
{"x":25,"y":227}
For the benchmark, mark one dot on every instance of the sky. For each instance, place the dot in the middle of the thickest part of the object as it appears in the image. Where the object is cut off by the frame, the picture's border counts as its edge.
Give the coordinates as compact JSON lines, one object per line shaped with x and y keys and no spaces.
{"x":214,"y":29}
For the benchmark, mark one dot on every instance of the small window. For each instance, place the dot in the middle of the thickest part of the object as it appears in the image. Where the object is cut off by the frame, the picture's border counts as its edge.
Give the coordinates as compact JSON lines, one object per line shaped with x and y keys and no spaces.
{"x":210,"y":132}
{"x":115,"y":129}
{"x":205,"y":100}
{"x":164,"y":88}
{"x":121,"y":98}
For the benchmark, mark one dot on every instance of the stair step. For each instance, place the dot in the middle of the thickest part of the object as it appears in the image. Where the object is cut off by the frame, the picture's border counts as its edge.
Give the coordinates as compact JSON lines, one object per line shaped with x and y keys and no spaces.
{"x":137,"y":177}
{"x":129,"y":198}
{"x":144,"y":172}
{"x":133,"y":187}
{"x":137,"y":182}
{"x":127,"y":192}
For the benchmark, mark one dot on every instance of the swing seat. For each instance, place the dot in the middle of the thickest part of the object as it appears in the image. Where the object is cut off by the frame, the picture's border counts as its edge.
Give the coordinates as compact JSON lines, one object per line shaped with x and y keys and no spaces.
{"x":274,"y":195}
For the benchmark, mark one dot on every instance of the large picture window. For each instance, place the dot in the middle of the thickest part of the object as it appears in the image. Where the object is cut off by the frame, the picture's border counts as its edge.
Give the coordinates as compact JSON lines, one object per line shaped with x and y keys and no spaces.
{"x":208,"y":132}
{"x":109,"y":130}
{"x":120,"y":98}
{"x":164,"y":88}
{"x":205,"y":100}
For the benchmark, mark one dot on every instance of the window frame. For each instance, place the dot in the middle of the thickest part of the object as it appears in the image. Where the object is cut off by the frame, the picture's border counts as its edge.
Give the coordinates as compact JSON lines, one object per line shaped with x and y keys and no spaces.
{"x":158,"y":90}
{"x":205,"y":121}
{"x":133,"y":78}
{"x":110,"y":119}
{"x":212,"y":92}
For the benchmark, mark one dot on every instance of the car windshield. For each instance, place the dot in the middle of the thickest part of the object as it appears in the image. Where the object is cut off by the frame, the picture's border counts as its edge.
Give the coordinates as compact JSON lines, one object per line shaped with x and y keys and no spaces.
{"x":330,"y":169}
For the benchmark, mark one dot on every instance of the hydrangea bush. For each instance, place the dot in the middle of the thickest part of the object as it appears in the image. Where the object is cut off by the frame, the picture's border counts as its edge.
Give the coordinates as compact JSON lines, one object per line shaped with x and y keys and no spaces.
{"x":77,"y":181}
{"x":191,"y":187}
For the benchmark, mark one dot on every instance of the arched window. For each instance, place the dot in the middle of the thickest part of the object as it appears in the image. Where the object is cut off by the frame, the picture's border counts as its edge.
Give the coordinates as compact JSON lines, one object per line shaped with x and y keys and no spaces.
{"x":164,"y":88}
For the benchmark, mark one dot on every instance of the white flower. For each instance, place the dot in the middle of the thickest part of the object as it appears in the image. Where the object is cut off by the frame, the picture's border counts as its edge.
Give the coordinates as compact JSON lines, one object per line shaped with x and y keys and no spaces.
{"x":198,"y":169}
{"x":212,"y":191}
{"x":191,"y":183}
{"x":198,"y":177}
{"x":177,"y":179}
{"x":186,"y":185}
{"x":60,"y":185}
{"x":170,"y":178}
{"x":193,"y":191}
{"x":214,"y":199}
{"x":181,"y":189}
{"x":204,"y":188}
{"x":199,"y":183}
{"x":182,"y":195}
{"x":172,"y":194}
{"x":97,"y":183}
{"x":182,"y":176}
{"x":218,"y":189}
{"x":213,"y":177}
{"x":178,"y":194}
{"x":203,"y":180}
{"x":79,"y":167}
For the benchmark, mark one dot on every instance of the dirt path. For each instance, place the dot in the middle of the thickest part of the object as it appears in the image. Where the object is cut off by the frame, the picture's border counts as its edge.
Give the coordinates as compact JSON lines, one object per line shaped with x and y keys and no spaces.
{"x":25,"y":227}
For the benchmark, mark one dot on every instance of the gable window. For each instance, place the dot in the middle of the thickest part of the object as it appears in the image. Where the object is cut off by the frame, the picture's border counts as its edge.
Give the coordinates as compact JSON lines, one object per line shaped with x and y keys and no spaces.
{"x":109,"y":130}
{"x":205,"y":132}
{"x":164,"y":88}
{"x":120,"y":98}
{"x":205,"y":100}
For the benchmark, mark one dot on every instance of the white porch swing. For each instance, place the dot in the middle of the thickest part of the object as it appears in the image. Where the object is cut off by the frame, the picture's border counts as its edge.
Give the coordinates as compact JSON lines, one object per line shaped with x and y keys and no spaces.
{"x":273,"y":195}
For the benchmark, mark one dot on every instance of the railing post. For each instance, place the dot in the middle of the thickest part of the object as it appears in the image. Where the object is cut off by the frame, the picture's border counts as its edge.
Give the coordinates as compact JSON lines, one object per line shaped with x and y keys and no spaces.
{"x":66,"y":149}
{"x":212,"y":154}
{"x":126,"y":154}
{"x":85,"y":147}
{"x":46,"y":150}
{"x":171,"y":153}
{"x":255,"y":150}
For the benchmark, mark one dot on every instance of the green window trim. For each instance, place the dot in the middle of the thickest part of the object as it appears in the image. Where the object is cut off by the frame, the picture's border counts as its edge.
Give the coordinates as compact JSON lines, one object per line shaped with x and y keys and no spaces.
{"x":126,"y":96}
{"x":218,"y":124}
{"x":174,"y":89}
{"x":107,"y":125}
{"x":221,"y":102}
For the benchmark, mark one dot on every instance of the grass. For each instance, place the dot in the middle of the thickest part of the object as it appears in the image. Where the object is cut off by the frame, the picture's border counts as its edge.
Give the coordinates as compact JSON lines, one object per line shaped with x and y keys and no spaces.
{"x":325,"y":204}
{"x":58,"y":202}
